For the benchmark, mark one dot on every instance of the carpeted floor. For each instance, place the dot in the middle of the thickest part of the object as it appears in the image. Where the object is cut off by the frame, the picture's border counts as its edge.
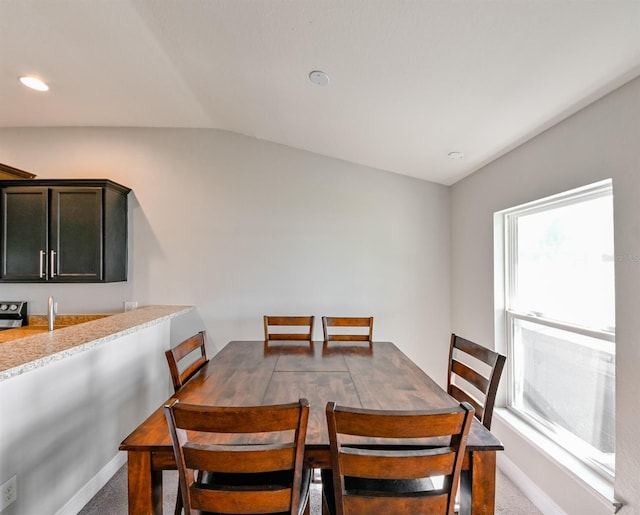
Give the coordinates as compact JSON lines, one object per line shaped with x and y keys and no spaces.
{"x":112,"y":499}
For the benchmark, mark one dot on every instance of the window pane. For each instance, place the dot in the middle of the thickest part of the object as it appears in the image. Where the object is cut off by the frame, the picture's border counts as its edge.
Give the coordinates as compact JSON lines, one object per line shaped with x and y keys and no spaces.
{"x":568,"y":380}
{"x":564,"y":266}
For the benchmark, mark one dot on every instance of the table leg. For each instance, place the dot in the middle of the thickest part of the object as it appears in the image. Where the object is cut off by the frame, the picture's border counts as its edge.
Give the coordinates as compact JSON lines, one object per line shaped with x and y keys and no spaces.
{"x":478,"y":485}
{"x":145,"y":485}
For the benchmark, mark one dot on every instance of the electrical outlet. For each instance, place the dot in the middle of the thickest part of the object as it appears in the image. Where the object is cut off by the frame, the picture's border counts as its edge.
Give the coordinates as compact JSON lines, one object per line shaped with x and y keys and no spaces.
{"x":8,"y":492}
{"x":130,"y":305}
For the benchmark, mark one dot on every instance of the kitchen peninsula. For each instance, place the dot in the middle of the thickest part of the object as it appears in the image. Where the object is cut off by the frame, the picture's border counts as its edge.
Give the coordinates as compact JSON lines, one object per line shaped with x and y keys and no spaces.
{"x":23,"y":349}
{"x":71,"y":395}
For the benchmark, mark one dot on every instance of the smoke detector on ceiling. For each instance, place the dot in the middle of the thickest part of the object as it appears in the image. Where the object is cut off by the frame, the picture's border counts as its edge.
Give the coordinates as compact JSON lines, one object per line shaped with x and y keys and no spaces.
{"x":318,"y":77}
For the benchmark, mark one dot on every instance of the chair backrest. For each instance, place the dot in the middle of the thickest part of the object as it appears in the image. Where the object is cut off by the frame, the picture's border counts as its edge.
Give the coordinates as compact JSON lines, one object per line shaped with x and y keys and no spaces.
{"x":181,"y":374}
{"x":358,"y":468}
{"x":365,"y":335}
{"x":260,"y":473}
{"x":303,"y":322}
{"x":480,"y":368}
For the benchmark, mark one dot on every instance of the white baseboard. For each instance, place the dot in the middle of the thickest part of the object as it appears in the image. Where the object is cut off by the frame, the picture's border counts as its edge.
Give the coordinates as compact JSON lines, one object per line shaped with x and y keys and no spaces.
{"x":86,"y":493}
{"x":537,"y":496}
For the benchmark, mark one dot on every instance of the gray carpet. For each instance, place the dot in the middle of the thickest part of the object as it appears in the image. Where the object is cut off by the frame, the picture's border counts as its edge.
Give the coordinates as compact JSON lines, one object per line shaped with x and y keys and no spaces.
{"x":112,"y":499}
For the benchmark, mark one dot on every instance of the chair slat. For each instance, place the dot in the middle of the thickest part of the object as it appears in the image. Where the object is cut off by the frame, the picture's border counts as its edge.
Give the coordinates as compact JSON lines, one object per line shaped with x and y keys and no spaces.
{"x":286,"y":320}
{"x":469,"y":374}
{"x":390,"y":424}
{"x":399,"y":506}
{"x":237,"y":419}
{"x":409,"y":465}
{"x":239,"y":459}
{"x":477,"y":351}
{"x":349,"y":337}
{"x":462,"y":396}
{"x":289,"y":336}
{"x":349,"y":321}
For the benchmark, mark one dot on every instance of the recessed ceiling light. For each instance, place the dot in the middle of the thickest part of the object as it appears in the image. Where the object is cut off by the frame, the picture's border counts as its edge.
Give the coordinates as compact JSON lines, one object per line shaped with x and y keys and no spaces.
{"x":33,"y":83}
{"x":319,"y":78}
{"x":456,"y":155}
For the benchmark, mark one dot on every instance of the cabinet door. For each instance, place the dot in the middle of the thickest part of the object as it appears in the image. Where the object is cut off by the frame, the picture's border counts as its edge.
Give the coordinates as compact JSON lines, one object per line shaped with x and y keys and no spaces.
{"x":24,"y":234}
{"x":76,"y":234}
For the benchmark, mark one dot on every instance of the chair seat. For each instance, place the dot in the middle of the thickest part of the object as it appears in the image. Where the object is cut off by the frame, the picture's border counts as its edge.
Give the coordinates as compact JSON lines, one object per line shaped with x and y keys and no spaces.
{"x":375,"y":486}
{"x":274,"y":480}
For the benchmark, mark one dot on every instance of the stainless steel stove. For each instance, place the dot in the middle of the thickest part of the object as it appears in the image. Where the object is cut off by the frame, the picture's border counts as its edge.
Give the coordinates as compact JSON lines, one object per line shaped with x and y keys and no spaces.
{"x":13,"y":314}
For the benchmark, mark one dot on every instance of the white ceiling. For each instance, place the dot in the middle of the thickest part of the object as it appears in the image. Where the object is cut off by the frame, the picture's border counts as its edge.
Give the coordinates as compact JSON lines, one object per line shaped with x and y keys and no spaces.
{"x":411,"y":80}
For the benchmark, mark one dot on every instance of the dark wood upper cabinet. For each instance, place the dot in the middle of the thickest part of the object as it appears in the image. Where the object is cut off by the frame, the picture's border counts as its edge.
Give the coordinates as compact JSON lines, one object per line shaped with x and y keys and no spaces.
{"x":72,"y":231}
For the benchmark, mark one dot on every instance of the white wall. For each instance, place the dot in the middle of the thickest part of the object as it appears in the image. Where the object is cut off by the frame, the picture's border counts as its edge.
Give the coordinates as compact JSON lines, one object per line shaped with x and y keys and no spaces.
{"x":241,"y":228}
{"x":598,"y":142}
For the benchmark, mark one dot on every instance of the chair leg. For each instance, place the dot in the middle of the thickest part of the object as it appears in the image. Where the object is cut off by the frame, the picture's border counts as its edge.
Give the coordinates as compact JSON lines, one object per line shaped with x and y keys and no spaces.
{"x":325,"y":509}
{"x":178,"y":510}
{"x":326,"y":476}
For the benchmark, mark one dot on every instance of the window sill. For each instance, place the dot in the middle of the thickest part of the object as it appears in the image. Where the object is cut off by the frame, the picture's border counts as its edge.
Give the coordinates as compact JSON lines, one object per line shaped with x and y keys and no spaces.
{"x":601,"y":486}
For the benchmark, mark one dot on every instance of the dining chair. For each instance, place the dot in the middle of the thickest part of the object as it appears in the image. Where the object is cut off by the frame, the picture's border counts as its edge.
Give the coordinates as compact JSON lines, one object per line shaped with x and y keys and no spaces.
{"x":180,"y":373}
{"x":480,"y":370}
{"x":305,"y":323}
{"x":352,"y":329}
{"x":389,"y":476}
{"x":257,"y":464}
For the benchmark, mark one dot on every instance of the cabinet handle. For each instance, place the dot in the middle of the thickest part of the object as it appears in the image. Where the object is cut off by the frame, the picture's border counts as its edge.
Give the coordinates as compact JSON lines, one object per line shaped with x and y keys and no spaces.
{"x":42,"y":253}
{"x":53,"y":263}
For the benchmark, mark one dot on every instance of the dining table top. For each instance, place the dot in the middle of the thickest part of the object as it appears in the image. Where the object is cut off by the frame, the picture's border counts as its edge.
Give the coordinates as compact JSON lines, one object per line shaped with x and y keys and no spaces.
{"x":253,"y":373}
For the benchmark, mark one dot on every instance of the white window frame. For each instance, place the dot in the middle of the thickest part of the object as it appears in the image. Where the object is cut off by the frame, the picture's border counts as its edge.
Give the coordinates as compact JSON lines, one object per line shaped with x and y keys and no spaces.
{"x":505,"y":292}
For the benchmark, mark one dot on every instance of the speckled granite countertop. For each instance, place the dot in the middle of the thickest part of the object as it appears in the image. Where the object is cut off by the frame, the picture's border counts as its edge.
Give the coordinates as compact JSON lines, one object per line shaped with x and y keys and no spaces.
{"x":34,"y":346}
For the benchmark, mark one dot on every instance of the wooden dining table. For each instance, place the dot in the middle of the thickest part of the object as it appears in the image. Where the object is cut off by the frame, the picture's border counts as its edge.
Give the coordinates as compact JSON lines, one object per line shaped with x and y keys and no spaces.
{"x":252,"y":373}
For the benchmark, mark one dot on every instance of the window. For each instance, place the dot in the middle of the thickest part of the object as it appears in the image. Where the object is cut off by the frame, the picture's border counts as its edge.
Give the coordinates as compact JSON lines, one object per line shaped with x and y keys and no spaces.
{"x":559,"y":315}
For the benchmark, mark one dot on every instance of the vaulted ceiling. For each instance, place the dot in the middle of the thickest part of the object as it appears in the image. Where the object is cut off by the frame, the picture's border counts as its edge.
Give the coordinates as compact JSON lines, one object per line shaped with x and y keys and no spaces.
{"x":410,"y":80}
